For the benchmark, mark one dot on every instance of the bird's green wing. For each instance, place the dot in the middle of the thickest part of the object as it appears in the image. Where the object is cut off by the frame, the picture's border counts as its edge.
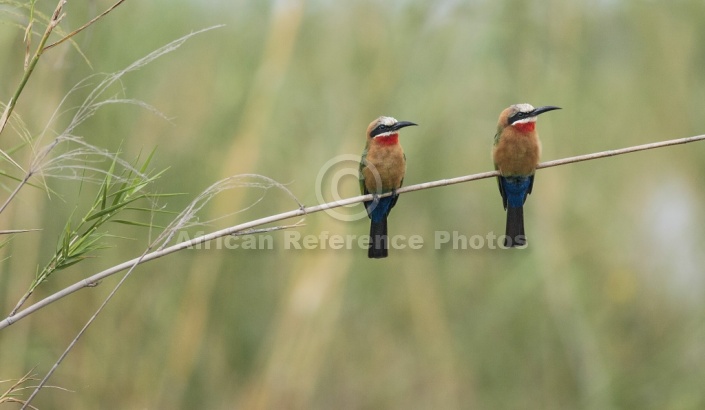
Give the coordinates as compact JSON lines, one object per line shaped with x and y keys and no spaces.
{"x":499,"y":180}
{"x":363,"y":188}
{"x":496,"y":138}
{"x":361,"y":176}
{"x":501,"y":192}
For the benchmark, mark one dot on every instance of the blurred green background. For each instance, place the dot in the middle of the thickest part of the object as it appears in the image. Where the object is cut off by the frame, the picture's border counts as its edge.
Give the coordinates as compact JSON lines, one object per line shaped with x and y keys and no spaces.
{"x":603,"y":310}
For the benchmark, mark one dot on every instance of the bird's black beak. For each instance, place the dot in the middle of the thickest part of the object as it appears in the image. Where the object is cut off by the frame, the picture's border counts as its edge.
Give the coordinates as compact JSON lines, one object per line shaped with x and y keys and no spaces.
{"x":541,"y":110}
{"x":402,"y":124}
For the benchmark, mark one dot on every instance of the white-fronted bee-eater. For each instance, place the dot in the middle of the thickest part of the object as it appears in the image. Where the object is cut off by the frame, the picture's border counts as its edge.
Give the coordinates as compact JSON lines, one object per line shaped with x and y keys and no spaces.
{"x":516,"y":154}
{"x":382,"y":170}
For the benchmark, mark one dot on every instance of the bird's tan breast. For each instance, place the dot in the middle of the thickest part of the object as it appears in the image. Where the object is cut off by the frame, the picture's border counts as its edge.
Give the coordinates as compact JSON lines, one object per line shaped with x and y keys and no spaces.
{"x":385,"y":165}
{"x":517,"y":153}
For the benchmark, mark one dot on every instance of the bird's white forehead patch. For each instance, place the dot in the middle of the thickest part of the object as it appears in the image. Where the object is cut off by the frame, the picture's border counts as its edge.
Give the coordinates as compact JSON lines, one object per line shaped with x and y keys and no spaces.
{"x":387,"y":120}
{"x":524,"y":107}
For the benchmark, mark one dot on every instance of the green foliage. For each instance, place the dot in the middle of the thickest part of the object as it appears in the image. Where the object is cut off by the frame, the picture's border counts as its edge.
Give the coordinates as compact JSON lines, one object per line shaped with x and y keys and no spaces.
{"x":81,"y":239}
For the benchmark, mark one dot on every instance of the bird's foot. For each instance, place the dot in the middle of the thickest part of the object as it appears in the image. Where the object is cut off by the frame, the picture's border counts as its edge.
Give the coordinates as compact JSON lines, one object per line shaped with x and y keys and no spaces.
{"x":373,"y":204}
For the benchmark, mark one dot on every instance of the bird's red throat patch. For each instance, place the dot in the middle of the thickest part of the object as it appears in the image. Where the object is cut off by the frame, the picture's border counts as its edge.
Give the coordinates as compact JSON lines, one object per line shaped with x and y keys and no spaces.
{"x":525,"y":126}
{"x":390,"y":139}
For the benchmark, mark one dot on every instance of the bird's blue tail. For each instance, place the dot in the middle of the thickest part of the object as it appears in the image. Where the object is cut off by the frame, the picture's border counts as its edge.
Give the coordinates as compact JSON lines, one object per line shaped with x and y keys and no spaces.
{"x":379,"y":242}
{"x":514,"y":191}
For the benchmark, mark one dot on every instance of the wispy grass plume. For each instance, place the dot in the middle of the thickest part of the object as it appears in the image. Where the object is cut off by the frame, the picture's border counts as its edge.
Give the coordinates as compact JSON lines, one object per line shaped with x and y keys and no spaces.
{"x":121,"y":183}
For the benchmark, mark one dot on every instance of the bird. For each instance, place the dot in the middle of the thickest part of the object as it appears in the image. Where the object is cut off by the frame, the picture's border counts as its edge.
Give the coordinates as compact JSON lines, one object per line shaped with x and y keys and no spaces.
{"x":382,"y":169}
{"x":516,"y":152}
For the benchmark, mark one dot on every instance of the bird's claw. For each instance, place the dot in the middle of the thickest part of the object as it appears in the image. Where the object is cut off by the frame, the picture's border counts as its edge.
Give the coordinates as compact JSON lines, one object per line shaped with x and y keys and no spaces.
{"x":372,"y":204}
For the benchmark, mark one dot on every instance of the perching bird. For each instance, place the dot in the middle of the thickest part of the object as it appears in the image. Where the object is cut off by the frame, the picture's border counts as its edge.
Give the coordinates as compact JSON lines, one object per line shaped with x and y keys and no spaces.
{"x":382,"y":169}
{"x":516,"y":154}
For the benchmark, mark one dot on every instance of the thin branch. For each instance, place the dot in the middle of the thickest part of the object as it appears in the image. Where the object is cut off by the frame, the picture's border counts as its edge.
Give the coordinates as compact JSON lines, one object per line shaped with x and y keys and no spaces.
{"x":14,"y":231}
{"x":30,"y":64}
{"x":16,"y":191}
{"x":53,"y":22}
{"x":81,"y":332}
{"x":85,"y":26}
{"x":270,"y":229}
{"x":620,"y":151}
{"x":303,"y":211}
{"x":549,"y":164}
{"x":110,"y":296}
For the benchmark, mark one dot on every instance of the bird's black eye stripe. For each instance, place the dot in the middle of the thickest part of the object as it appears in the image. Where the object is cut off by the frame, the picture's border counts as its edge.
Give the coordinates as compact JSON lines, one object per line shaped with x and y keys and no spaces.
{"x":380,"y":129}
{"x":518,"y":116}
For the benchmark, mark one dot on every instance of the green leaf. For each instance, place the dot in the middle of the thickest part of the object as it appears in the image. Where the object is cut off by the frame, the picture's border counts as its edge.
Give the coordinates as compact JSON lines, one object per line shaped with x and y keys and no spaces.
{"x":112,"y":208}
{"x":133,"y":223}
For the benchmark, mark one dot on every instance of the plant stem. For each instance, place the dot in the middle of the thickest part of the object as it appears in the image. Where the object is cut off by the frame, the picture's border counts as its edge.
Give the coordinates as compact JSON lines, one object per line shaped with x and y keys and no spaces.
{"x":303,"y":211}
{"x":55,"y":19}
